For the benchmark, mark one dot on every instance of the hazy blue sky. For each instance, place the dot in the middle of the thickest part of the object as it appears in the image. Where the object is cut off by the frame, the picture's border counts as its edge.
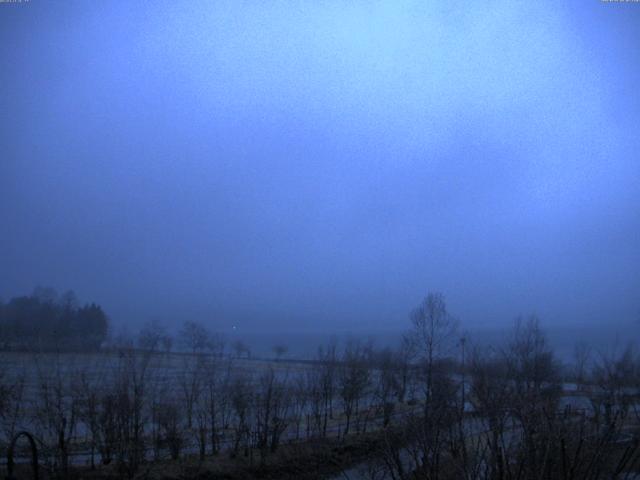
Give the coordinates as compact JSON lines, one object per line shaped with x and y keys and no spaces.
{"x":323,"y":164}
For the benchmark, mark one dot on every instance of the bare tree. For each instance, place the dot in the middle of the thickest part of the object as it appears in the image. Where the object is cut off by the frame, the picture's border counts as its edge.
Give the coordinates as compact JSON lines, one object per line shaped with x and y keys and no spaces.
{"x":90,"y":391}
{"x":316,"y":417}
{"x":385,"y":385}
{"x":353,"y":379}
{"x":167,"y":343}
{"x":241,"y":399}
{"x":327,"y":365}
{"x":492,"y":399}
{"x":195,"y":337}
{"x":214,"y":398}
{"x":127,"y":404}
{"x":271,"y":410}
{"x":191,"y":381}
{"x":617,"y":377}
{"x":535,"y":377}
{"x":403,"y":358}
{"x":170,"y":427}
{"x":581,"y":360}
{"x":12,"y":405}
{"x":153,"y":336}
{"x":57,"y":406}
{"x":280,"y":350}
{"x":240,"y":348}
{"x":301,"y":392}
{"x":433,"y":335}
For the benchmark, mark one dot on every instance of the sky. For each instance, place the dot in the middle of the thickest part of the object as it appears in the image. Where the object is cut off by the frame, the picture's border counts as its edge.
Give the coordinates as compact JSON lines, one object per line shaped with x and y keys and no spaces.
{"x":322,"y":165}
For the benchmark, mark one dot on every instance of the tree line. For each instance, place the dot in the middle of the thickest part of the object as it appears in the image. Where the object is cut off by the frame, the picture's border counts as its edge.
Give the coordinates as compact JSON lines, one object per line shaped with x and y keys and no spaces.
{"x":47,"y":321}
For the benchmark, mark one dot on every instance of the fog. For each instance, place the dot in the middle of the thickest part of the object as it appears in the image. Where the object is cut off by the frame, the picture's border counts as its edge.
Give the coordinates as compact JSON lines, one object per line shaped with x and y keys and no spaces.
{"x":320,"y":166}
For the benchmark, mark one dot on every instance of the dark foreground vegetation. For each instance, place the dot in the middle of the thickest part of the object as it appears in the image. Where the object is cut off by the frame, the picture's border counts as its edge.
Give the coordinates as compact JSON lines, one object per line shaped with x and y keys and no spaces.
{"x":436,"y":407}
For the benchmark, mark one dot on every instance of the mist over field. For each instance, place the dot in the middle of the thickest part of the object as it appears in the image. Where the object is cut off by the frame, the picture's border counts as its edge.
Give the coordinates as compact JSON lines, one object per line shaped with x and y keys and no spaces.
{"x":322,"y":166}
{"x":312,"y":239}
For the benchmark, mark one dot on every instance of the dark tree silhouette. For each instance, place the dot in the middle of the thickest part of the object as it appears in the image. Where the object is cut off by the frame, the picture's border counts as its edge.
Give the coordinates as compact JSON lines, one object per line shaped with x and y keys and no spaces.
{"x":44,"y":321}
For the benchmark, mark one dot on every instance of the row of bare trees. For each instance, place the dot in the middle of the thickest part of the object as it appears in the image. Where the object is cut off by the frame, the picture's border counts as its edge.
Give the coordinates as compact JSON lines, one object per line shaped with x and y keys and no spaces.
{"x":508,"y":413}
{"x":141,"y":404}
